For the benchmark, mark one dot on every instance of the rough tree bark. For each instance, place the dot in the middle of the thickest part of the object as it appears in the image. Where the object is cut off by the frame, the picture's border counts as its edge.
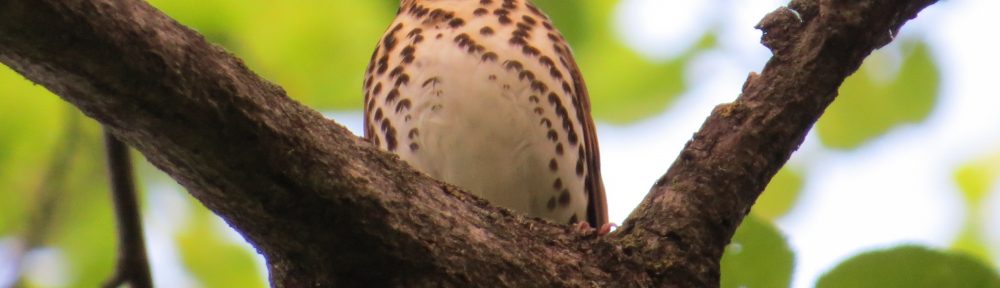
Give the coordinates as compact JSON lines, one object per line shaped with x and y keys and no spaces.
{"x":327,"y":209}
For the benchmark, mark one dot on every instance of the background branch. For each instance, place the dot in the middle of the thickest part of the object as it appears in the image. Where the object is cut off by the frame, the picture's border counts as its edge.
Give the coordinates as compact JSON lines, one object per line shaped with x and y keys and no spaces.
{"x":132,"y":267}
{"x":327,"y":209}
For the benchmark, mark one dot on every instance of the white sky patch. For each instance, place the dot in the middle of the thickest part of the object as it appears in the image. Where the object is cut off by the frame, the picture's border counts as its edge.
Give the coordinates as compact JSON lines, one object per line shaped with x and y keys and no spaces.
{"x":992,"y":210}
{"x":166,"y":210}
{"x":8,"y":246}
{"x":46,"y":267}
{"x":630,"y":164}
{"x":633,"y":157}
{"x":969,"y":60}
{"x":889,"y":192}
{"x":662,"y":29}
{"x":738,"y":37}
{"x":352,"y":120}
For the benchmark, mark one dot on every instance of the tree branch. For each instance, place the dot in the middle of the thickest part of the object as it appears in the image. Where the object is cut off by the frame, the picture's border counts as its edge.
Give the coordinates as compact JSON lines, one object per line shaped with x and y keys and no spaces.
{"x":132,"y":267}
{"x":695,"y":208}
{"x":327,"y":209}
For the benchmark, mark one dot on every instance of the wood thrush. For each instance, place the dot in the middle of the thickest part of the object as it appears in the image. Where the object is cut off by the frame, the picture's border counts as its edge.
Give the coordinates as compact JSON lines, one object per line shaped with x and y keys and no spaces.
{"x":485,"y":95}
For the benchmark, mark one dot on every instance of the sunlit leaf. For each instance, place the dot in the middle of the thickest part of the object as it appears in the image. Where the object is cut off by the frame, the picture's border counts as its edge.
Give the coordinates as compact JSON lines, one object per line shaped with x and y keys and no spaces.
{"x":910,"y":267}
{"x":873,"y":101}
{"x":976,"y":178}
{"x":758,"y":256}
{"x":780,"y":195}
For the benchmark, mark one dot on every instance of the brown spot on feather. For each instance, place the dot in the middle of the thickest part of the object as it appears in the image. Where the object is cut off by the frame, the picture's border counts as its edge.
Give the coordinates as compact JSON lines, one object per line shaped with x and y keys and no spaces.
{"x":564,"y":198}
{"x":486,"y":31}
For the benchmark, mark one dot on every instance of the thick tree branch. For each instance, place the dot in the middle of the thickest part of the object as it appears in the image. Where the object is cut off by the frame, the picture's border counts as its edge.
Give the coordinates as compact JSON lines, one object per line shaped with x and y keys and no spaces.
{"x":327,"y":209}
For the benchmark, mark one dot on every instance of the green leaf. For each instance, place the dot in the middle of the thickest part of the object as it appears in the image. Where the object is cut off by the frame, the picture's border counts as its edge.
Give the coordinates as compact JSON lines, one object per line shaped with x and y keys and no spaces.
{"x":910,"y":267}
{"x":780,"y":195}
{"x":757,"y":257}
{"x":873,"y":101}
{"x":213,"y":258}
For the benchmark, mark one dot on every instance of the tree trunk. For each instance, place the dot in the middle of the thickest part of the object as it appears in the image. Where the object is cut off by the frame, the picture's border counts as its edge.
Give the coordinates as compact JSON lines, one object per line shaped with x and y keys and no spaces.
{"x":327,"y":209}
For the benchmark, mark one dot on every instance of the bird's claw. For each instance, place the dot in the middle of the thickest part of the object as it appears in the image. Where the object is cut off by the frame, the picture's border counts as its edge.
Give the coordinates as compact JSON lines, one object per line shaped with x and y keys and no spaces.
{"x":584,"y":229}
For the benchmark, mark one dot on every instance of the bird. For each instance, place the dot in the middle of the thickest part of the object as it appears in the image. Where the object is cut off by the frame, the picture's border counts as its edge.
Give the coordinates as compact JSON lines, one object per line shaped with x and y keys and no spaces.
{"x":486,"y":95}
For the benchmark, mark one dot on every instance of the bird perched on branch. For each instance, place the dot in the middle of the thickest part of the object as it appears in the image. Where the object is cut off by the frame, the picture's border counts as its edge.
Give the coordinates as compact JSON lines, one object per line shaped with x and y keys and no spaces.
{"x":485,"y":95}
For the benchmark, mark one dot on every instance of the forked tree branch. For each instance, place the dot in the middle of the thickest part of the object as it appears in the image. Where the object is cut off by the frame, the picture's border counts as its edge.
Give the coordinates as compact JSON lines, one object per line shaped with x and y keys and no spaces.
{"x":327,"y":209}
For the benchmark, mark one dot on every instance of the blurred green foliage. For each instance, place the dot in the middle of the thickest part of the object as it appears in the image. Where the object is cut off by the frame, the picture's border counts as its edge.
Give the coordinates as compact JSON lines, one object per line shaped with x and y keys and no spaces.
{"x":910,"y":267}
{"x":25,"y":109}
{"x":631,"y":87}
{"x":317,"y":49}
{"x":887,"y":92}
{"x":780,"y":195}
{"x":51,"y":198}
{"x":758,"y":256}
{"x":975,"y":179}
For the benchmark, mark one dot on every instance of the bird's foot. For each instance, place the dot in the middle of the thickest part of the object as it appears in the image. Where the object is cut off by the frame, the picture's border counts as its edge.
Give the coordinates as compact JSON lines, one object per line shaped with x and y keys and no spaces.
{"x":584,"y":229}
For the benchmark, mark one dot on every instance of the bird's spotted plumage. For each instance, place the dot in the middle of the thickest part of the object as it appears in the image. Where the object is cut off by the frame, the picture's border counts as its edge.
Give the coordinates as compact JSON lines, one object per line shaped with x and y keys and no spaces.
{"x":485,"y":94}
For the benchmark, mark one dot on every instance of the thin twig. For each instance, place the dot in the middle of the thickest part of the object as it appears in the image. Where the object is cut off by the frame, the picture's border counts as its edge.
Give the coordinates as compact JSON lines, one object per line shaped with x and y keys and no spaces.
{"x":133,"y":267}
